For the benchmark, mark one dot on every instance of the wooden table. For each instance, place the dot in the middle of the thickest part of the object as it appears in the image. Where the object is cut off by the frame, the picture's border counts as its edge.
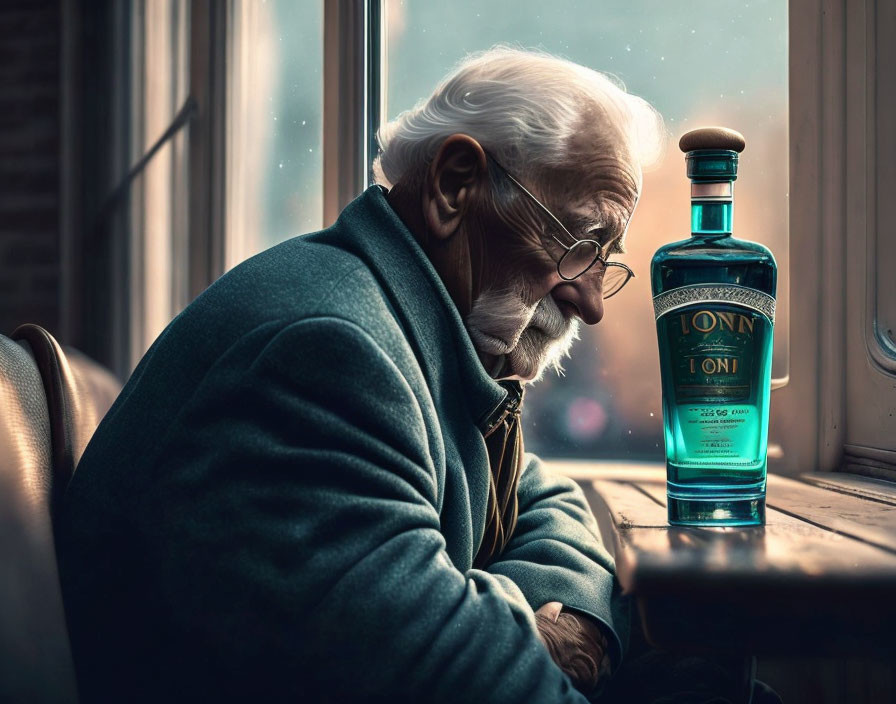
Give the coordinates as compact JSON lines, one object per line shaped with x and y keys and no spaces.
{"x":818,"y":579}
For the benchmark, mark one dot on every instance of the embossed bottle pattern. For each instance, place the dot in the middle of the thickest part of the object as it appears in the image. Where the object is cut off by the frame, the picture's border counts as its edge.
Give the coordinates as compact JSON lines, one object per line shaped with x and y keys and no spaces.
{"x":714,"y":302}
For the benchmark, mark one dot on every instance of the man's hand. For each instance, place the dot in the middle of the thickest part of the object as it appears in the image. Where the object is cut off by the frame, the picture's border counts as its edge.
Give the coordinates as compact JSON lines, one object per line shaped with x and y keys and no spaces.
{"x":575,"y":643}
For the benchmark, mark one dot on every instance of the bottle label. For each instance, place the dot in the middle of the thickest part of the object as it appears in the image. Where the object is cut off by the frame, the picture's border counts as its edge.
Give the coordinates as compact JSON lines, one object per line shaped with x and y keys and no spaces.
{"x":738,"y":295}
{"x":712,"y":335}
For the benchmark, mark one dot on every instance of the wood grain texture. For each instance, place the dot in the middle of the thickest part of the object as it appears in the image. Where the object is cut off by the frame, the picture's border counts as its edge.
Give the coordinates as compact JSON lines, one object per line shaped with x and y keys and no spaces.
{"x":656,"y":556}
{"x":855,"y":485}
{"x":870,"y":521}
{"x":817,"y":578}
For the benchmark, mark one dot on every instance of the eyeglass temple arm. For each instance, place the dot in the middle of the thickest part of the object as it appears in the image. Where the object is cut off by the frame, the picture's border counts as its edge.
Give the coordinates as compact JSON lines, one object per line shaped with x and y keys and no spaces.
{"x":535,"y":200}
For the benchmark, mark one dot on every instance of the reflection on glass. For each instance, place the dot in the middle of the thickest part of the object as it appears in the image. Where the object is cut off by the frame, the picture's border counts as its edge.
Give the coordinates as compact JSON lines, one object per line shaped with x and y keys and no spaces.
{"x":706,"y":62}
{"x":274,"y":109}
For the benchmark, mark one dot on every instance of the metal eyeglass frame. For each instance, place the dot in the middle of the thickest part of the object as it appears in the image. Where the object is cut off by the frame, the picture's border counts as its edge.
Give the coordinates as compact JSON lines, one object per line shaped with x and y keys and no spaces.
{"x":578,"y":243}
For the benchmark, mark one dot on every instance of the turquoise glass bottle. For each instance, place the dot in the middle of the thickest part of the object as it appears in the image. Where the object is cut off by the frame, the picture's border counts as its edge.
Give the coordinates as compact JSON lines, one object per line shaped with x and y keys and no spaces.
{"x":714,"y":302}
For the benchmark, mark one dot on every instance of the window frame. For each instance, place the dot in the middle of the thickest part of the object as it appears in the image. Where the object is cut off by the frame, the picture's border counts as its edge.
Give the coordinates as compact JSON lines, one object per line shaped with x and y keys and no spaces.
{"x":95,"y":144}
{"x":158,"y":229}
{"x":828,"y":417}
{"x":354,"y":98}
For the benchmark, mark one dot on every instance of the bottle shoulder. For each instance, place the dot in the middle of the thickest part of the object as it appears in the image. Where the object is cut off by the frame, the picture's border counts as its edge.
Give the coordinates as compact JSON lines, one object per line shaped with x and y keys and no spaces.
{"x":713,"y":260}
{"x":713,"y":249}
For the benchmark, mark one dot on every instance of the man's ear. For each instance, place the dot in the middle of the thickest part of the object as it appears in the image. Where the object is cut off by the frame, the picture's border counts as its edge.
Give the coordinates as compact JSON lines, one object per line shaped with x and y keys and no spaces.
{"x":456,"y":176}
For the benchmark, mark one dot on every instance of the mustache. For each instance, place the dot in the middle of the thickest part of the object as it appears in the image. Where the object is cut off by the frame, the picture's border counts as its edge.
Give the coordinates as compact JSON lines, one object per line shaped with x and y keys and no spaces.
{"x":499,"y":318}
{"x":548,"y":318}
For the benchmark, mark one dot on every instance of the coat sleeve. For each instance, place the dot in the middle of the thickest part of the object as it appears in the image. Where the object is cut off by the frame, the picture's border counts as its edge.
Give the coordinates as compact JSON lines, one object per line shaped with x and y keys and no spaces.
{"x":312,"y":536}
{"x":556,"y":554}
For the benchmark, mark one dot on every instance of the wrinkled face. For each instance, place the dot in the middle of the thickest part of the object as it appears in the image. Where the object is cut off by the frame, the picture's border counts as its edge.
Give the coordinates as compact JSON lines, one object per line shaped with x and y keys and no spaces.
{"x":524,"y":339}
{"x":525,"y":316}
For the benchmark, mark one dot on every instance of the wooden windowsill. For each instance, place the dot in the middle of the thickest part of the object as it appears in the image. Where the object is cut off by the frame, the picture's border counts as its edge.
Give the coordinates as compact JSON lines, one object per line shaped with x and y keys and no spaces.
{"x":818,"y":578}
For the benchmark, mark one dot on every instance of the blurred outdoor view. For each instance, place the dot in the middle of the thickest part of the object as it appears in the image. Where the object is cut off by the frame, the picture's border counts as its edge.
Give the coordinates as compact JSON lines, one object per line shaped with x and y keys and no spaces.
{"x":699,"y":63}
{"x":275,"y":126}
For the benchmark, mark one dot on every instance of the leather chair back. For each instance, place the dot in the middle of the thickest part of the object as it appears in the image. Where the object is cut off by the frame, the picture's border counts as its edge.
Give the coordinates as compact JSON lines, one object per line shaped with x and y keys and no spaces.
{"x":78,"y":393}
{"x":49,"y":407}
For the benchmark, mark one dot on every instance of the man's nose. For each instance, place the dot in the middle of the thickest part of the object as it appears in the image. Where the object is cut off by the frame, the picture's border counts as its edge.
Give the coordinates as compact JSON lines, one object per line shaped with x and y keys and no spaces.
{"x":585,"y":295}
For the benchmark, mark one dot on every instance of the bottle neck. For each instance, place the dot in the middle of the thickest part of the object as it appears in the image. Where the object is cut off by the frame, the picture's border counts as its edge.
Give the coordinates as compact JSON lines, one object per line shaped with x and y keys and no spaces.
{"x":712,"y":208}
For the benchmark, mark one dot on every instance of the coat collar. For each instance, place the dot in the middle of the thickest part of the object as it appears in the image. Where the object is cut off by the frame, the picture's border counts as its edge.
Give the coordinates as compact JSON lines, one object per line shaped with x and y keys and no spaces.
{"x":373,"y":231}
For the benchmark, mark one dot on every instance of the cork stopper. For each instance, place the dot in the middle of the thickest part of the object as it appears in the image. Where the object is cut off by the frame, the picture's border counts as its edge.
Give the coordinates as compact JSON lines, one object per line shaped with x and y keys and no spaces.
{"x":712,"y":138}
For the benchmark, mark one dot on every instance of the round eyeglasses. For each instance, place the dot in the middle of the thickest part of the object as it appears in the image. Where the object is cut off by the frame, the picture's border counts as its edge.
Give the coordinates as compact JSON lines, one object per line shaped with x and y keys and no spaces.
{"x":582,"y":255}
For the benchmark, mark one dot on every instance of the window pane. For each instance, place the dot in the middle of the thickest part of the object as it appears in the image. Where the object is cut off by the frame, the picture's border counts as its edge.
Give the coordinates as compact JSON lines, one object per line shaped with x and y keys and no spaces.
{"x":158,"y":208}
{"x":698,"y":63}
{"x":274,"y":138}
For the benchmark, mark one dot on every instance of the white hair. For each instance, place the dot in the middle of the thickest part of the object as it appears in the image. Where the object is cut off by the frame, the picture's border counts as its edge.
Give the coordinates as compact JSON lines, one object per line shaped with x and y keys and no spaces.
{"x":525,"y":108}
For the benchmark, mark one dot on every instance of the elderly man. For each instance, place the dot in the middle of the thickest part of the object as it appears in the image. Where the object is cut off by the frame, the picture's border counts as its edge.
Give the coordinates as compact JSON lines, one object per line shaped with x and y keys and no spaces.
{"x":313,"y":486}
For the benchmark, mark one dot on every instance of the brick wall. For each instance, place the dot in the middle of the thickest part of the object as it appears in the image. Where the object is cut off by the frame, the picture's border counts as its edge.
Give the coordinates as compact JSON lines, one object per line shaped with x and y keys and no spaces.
{"x":29,"y":163}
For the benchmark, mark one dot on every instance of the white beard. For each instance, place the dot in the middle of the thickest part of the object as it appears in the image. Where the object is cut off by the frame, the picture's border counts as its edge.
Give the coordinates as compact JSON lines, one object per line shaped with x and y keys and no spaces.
{"x":526,"y":339}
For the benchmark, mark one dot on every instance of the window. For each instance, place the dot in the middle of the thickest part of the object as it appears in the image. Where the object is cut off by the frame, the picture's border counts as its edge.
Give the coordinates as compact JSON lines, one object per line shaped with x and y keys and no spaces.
{"x":708,"y":62}
{"x":185,"y":228}
{"x":274,"y":124}
{"x":158,"y":282}
{"x":288,"y":95}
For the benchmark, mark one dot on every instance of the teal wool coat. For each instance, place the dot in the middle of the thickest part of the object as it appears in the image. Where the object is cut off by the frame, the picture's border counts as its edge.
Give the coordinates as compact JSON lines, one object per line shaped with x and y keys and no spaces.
{"x":285,"y":501}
